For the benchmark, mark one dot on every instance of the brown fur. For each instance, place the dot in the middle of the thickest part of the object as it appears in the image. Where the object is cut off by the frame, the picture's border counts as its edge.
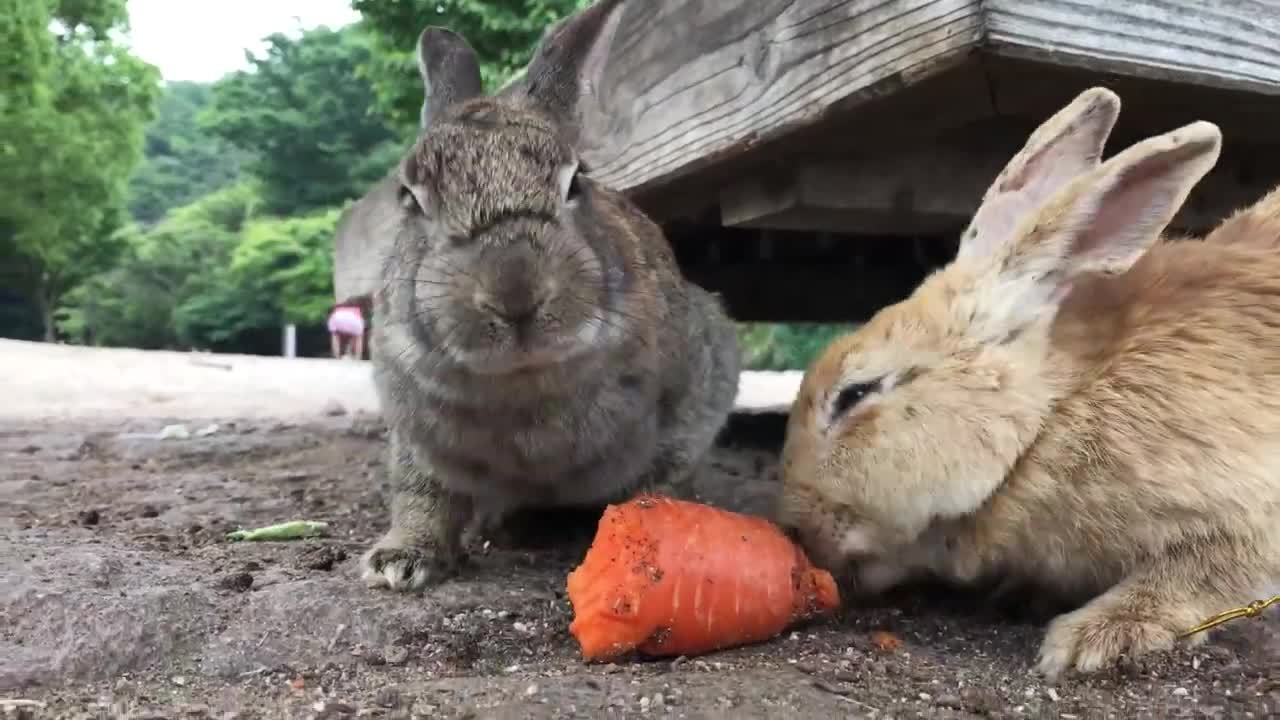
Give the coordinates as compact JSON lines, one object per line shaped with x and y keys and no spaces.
{"x":1090,"y":410}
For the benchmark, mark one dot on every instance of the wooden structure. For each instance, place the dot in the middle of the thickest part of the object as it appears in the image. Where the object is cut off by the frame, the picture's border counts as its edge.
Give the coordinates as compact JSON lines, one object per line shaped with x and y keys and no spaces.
{"x":832,"y":150}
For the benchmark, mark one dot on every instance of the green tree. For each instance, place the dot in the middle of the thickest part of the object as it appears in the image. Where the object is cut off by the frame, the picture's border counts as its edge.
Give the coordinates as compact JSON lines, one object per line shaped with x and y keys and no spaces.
{"x":163,"y":267}
{"x":183,"y":160}
{"x":306,"y":119}
{"x":213,"y":274}
{"x":504,"y":35}
{"x":785,"y":346}
{"x":71,"y":117}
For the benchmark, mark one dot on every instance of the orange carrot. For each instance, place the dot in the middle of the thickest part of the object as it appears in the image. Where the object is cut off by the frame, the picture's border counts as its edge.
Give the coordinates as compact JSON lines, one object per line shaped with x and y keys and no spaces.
{"x":670,"y":577}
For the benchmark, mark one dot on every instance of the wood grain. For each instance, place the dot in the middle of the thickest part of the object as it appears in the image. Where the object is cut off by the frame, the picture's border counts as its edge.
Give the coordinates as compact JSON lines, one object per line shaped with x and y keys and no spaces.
{"x":691,"y":82}
{"x":1219,"y":43}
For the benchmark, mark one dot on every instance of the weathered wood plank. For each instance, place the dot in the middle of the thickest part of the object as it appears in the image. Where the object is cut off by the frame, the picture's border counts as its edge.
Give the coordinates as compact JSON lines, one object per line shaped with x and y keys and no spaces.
{"x":691,"y":82}
{"x":934,"y":188}
{"x":1219,"y":43}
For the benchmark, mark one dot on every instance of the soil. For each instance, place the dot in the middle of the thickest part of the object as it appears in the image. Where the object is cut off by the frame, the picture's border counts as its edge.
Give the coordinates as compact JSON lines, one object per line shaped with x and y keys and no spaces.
{"x":120,"y":597}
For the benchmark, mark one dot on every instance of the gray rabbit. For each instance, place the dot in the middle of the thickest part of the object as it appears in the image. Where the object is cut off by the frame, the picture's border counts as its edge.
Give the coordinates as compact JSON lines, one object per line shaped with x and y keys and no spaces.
{"x":535,"y":343}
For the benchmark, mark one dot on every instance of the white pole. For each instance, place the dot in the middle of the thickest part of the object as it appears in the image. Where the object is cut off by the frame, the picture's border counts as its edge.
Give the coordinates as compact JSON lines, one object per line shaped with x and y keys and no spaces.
{"x":290,"y":340}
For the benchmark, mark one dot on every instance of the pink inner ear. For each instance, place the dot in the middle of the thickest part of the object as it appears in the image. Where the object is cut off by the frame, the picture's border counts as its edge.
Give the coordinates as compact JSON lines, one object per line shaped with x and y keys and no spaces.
{"x":1129,"y":213}
{"x":1033,"y":176}
{"x":1022,"y":193}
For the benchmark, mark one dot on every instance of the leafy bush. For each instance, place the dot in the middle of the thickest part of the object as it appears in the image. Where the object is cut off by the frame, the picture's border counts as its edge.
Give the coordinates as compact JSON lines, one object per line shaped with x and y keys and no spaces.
{"x":785,"y":346}
{"x":208,"y":276}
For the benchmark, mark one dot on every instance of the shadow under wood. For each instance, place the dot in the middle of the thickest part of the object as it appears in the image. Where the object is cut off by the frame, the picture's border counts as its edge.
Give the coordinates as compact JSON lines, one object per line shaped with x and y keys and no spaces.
{"x":756,"y":431}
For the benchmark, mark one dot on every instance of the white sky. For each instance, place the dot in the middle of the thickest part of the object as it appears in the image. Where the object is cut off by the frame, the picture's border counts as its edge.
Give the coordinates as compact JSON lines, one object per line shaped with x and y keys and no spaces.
{"x":202,"y":40}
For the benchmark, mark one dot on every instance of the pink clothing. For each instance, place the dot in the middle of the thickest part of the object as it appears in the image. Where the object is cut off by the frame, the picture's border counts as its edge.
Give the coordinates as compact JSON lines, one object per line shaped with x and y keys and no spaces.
{"x":346,"y":321}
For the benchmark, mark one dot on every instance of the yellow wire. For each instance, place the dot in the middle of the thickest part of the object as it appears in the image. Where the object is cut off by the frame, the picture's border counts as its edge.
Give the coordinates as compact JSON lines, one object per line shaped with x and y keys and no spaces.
{"x":1252,"y":610}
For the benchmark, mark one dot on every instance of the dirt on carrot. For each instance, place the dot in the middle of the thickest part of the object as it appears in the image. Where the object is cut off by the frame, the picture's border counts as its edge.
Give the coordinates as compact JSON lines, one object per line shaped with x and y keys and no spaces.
{"x":886,"y":641}
{"x":673,"y":577}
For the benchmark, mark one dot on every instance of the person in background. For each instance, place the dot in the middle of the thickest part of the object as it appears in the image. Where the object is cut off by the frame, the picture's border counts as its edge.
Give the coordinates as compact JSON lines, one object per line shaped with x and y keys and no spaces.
{"x":346,"y":322}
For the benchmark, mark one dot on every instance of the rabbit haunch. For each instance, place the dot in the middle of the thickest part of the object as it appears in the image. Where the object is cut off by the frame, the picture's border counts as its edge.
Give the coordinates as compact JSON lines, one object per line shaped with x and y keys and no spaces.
{"x":535,"y":343}
{"x":1075,"y":403}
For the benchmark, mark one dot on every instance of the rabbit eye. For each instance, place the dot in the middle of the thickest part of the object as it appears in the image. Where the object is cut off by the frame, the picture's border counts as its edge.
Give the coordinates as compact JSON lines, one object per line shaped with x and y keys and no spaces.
{"x":409,"y":201}
{"x":575,"y":188}
{"x":851,"y":395}
{"x":570,"y":187}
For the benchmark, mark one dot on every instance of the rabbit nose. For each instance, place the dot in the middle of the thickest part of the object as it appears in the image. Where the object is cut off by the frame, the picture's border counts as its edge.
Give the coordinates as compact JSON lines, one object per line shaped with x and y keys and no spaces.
{"x":517,"y":313}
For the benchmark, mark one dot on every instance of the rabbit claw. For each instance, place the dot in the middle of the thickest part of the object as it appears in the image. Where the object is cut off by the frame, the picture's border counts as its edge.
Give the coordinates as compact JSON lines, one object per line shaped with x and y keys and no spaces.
{"x":1089,"y":640}
{"x":404,"y":569}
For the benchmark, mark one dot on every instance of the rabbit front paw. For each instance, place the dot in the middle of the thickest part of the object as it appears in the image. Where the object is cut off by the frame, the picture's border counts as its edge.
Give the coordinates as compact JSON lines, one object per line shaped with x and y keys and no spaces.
{"x":1091,"y":639}
{"x":405,"y":569}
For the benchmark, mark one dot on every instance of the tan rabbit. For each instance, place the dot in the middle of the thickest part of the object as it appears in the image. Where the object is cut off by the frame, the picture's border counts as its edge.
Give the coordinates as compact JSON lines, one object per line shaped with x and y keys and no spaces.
{"x":1073,"y":404}
{"x":534,"y":343}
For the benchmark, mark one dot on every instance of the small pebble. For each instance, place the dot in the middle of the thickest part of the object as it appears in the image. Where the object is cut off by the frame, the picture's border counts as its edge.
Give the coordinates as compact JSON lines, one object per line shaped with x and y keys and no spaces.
{"x":179,"y":680}
{"x":1053,"y":694}
{"x":174,"y":432}
{"x":320,"y":557}
{"x":388,"y":697}
{"x":949,"y":700}
{"x":926,"y":697}
{"x":644,"y":703}
{"x":1180,"y":692}
{"x":532,"y":689}
{"x":236,"y":582}
{"x":396,"y":656}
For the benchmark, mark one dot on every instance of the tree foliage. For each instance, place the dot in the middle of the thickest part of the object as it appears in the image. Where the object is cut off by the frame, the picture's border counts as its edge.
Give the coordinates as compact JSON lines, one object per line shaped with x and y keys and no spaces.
{"x":504,"y":35}
{"x":306,"y":119}
{"x":71,"y":117}
{"x":785,"y":346}
{"x":211,"y":275}
{"x":237,"y":199}
{"x":182,"y":160}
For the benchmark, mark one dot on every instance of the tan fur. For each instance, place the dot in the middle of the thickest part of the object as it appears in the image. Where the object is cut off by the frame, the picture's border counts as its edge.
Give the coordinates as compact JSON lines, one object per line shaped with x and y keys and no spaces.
{"x":1078,"y":405}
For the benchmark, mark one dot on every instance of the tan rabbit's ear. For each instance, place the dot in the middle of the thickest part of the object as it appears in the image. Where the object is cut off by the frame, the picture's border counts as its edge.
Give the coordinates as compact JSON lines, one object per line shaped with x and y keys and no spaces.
{"x":1101,"y":222}
{"x":450,"y":71}
{"x":1064,"y":147}
{"x":1104,"y":221}
{"x":569,"y":63}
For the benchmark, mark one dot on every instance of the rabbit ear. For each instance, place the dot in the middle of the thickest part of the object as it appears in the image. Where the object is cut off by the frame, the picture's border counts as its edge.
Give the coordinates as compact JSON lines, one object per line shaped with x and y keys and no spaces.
{"x":569,"y":63}
{"x":450,"y":71}
{"x":1102,"y":222}
{"x":1064,"y":147}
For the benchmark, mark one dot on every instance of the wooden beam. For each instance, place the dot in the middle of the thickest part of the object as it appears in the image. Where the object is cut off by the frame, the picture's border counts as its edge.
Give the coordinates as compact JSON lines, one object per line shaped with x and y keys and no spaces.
{"x":935,"y":189}
{"x":916,"y":191}
{"x":1232,"y":44}
{"x":691,"y":82}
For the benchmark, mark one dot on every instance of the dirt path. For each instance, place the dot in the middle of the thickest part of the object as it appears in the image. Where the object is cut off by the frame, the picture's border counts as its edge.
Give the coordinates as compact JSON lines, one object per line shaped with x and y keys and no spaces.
{"x":119,"y":598}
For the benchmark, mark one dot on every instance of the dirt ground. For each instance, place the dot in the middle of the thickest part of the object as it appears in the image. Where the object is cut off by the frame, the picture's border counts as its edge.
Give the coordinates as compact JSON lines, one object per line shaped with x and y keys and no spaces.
{"x":119,"y":596}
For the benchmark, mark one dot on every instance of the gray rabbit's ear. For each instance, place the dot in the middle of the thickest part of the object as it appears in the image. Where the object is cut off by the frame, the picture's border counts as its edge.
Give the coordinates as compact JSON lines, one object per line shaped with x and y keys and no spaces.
{"x":569,"y":63}
{"x":450,"y":71}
